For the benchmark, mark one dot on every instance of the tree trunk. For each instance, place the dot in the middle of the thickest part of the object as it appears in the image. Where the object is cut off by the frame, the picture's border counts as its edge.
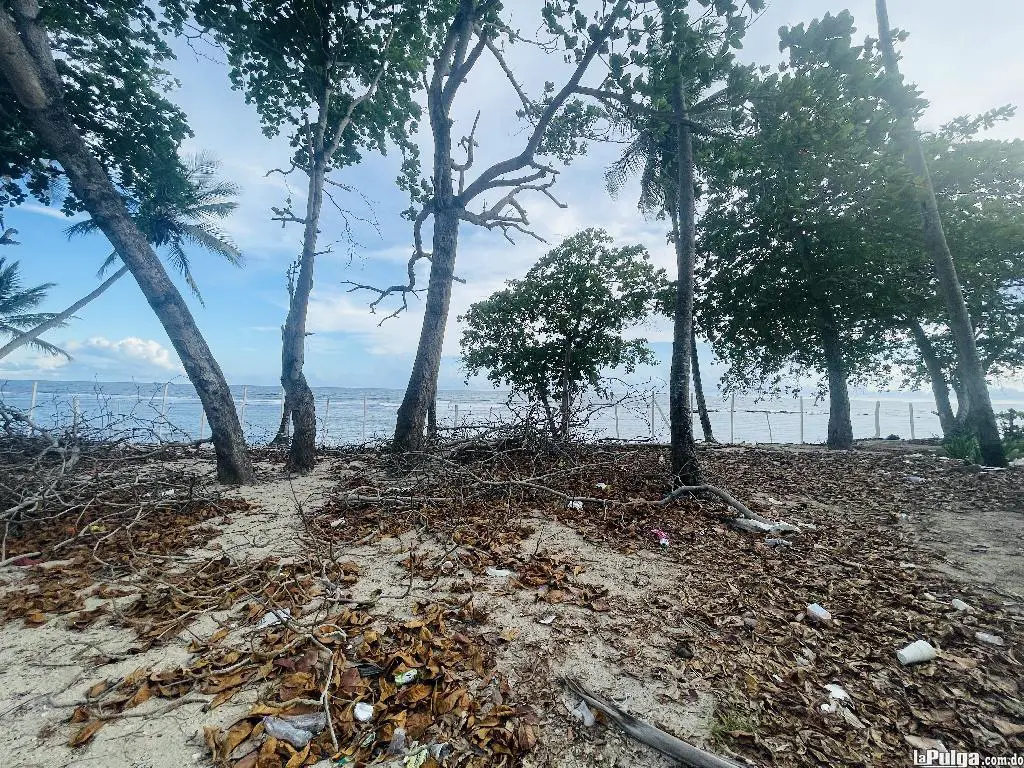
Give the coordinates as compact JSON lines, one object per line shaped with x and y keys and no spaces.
{"x":422,"y":387}
{"x":298,"y":396}
{"x":960,"y":325}
{"x":698,"y":389}
{"x":840,"y":427}
{"x":26,"y":61}
{"x":685,"y":469}
{"x":57,"y":320}
{"x":940,"y":389}
{"x":563,"y":432}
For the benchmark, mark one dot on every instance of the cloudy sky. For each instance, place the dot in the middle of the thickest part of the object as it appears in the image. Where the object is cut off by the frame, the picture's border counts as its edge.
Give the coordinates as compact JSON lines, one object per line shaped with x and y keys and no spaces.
{"x":965,"y":57}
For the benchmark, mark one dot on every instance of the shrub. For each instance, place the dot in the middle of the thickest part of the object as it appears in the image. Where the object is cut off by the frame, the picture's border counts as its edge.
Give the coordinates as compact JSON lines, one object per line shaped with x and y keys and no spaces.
{"x":964,"y":446}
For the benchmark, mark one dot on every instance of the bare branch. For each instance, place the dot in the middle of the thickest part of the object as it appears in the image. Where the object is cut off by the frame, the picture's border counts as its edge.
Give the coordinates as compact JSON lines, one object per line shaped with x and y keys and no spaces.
{"x":527,"y":104}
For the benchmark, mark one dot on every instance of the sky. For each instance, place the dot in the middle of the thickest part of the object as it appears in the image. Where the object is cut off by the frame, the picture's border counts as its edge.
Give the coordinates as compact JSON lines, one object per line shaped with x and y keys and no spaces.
{"x":966,"y":58}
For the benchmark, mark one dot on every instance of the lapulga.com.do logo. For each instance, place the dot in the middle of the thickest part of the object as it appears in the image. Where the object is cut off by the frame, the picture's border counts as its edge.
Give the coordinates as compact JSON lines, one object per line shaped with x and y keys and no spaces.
{"x":935,"y":757}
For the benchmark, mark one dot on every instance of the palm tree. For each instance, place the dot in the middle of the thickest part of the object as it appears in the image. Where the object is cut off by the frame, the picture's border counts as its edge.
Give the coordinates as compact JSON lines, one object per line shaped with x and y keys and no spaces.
{"x":17,"y":303}
{"x":182,"y":212}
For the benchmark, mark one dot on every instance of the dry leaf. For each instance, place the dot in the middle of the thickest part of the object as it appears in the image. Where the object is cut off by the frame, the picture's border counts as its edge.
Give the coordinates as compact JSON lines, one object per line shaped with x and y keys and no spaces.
{"x":86,"y":734}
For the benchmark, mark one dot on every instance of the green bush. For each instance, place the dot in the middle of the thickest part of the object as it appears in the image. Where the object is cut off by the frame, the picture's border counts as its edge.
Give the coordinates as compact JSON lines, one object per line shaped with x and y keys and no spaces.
{"x":964,"y":446}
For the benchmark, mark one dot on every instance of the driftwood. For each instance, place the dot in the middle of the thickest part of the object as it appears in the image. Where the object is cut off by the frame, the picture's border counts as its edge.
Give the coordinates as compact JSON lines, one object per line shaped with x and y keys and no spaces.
{"x":647,"y":734}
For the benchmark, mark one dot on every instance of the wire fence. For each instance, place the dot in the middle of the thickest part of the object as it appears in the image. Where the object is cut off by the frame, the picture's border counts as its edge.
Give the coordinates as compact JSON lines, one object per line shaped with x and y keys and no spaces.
{"x":351,"y":416}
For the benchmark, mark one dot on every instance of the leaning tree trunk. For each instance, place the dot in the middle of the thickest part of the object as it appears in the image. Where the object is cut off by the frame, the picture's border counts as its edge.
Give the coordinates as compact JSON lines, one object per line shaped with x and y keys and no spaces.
{"x":422,"y":387}
{"x":26,"y":61}
{"x":940,"y":389}
{"x":698,"y":390}
{"x":983,"y":416}
{"x":685,"y":469}
{"x":840,"y":427}
{"x":298,"y":396}
{"x":59,"y":319}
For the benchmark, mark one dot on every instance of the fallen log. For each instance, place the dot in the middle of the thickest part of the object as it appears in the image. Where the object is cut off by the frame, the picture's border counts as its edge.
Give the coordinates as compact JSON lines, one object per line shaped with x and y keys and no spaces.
{"x":647,"y":734}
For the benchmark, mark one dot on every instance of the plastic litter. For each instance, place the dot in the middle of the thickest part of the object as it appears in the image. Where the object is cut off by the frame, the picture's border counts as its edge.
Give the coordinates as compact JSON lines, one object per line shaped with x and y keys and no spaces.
{"x":584,"y":713}
{"x":404,"y":678}
{"x":960,"y":605}
{"x":818,"y":614}
{"x":285,"y":731}
{"x":917,"y":652}
{"x":273,"y":618}
{"x":363,"y":712}
{"x":601,"y":486}
{"x":661,"y":536}
{"x":915,"y":479}
{"x":502,"y":573}
{"x":547,"y":620}
{"x":314,"y":722}
{"x":985,"y":637}
{"x":836,"y":691}
{"x":777,"y":542}
{"x":574,"y":504}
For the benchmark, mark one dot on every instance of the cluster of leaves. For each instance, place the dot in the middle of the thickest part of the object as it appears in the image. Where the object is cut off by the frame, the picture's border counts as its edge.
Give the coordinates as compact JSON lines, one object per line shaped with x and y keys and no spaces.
{"x":18,"y":306}
{"x":550,"y":335}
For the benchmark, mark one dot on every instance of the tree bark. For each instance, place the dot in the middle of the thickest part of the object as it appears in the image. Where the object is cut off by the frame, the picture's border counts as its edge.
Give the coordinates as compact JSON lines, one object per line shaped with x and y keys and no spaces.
{"x":960,"y":325}
{"x":57,"y":320}
{"x":685,"y":468}
{"x":298,"y":396}
{"x":698,"y":389}
{"x":26,"y":61}
{"x":840,"y":426}
{"x":940,"y":389}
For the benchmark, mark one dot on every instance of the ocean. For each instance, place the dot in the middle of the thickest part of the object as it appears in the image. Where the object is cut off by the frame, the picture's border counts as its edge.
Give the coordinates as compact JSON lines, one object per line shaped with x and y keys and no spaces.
{"x":349,"y":416}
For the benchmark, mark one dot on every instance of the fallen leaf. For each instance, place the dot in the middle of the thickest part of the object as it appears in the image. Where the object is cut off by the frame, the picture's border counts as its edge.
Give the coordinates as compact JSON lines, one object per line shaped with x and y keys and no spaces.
{"x":86,"y":734}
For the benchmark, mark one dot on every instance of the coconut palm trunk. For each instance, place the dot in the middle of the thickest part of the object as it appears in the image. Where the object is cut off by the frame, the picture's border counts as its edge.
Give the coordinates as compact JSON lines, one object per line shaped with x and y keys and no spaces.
{"x":940,"y":389}
{"x":26,"y":61}
{"x":960,"y":325}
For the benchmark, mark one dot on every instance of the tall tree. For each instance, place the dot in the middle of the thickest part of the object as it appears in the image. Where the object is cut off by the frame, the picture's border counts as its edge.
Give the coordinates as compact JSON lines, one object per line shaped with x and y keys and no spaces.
{"x":474,"y":29}
{"x":551,"y":335}
{"x":797,"y":241}
{"x":657,"y":93}
{"x":117,"y":55}
{"x":959,"y":319}
{"x":341,"y":77}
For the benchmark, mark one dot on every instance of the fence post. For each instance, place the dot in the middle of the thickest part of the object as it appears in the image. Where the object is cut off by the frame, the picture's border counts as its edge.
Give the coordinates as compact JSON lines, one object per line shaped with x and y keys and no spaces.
{"x":245,"y":400}
{"x":652,"y":414}
{"x":32,"y":408}
{"x":771,"y":439}
{"x":801,"y":419}
{"x":616,"y":410}
{"x":732,"y":419}
{"x":364,"y":417}
{"x":327,"y":415}
{"x":455,"y":423}
{"x":74,"y":415}
{"x":878,"y":419}
{"x":912,"y":435}
{"x":202,"y":423}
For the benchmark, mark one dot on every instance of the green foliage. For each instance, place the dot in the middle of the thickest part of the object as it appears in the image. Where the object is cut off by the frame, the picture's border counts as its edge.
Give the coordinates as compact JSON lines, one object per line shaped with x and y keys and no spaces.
{"x":1011,"y":424}
{"x":109,"y":57}
{"x":963,"y":446}
{"x":550,"y":335}
{"x":182,"y":213}
{"x":17,"y":304}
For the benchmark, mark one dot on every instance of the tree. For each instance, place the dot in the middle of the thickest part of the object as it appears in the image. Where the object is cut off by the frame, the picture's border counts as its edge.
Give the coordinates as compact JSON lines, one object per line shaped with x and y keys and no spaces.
{"x":182,"y":214}
{"x":17,"y":304}
{"x":799,"y":243}
{"x":474,"y":29}
{"x":341,"y":78}
{"x":958,"y":317}
{"x":657,"y":95}
{"x":550,"y":335}
{"x":57,"y":132}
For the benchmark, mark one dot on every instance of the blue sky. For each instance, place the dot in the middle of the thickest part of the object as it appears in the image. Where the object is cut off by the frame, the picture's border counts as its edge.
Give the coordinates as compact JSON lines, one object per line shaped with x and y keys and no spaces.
{"x":965,"y":61}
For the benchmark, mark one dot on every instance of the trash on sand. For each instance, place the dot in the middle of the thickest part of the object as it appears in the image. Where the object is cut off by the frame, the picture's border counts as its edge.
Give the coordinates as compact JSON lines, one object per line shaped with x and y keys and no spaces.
{"x":547,"y":620}
{"x":404,"y":678}
{"x":502,"y":573}
{"x":575,"y":504}
{"x":836,"y":691}
{"x":915,"y":653}
{"x":314,"y":722}
{"x":584,"y":713}
{"x":778,"y":542}
{"x":960,"y":605}
{"x":985,"y":637}
{"x":168,"y":492}
{"x":273,"y":618}
{"x":601,"y":486}
{"x":661,"y":536}
{"x":924,"y":744}
{"x":818,"y":614}
{"x":914,"y":479}
{"x":363,"y":712}
{"x":286,"y":731}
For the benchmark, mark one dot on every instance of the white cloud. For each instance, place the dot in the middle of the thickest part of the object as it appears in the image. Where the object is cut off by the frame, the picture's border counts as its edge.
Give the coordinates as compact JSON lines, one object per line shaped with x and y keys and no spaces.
{"x":131,"y":351}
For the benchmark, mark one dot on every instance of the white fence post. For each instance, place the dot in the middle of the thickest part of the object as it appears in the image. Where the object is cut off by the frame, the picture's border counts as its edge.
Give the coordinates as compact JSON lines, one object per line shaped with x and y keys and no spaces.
{"x":32,"y":408}
{"x":456,"y":422}
{"x":878,"y":419}
{"x":74,"y":415}
{"x":364,"y":417}
{"x":616,"y":411}
{"x":912,"y":435}
{"x":801,"y":419}
{"x":732,"y":419}
{"x":245,"y":400}
{"x":771,"y":439}
{"x":327,"y":415}
{"x":652,"y":414}
{"x":202,"y":423}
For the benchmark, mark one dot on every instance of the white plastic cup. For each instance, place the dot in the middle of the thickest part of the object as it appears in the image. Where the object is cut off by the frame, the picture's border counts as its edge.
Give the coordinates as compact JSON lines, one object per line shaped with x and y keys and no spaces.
{"x":818,"y":614}
{"x":917,"y":652}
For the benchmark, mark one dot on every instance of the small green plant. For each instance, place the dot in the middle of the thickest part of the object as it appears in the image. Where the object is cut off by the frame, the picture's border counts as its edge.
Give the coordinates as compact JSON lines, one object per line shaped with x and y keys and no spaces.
{"x":727,"y":723}
{"x":963,"y":446}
